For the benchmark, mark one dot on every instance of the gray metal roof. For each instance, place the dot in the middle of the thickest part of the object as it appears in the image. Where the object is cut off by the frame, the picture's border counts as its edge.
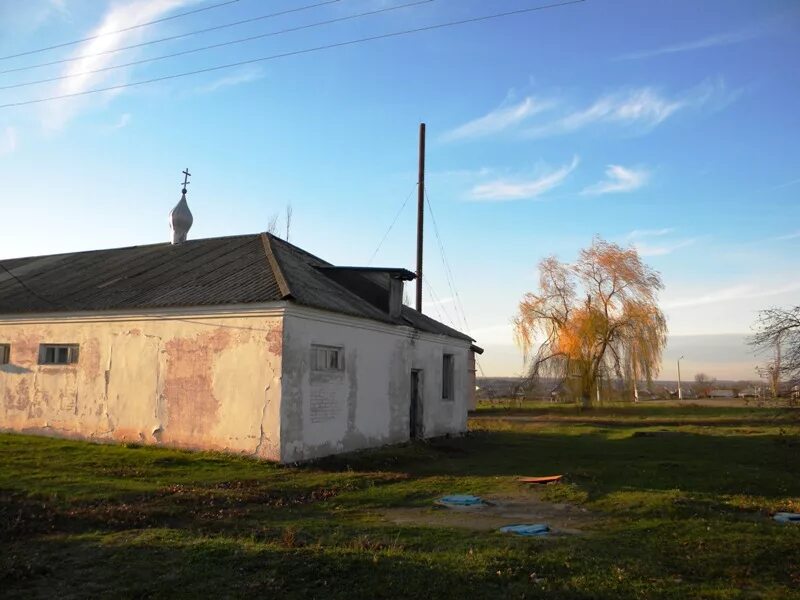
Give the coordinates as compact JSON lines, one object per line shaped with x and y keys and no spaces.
{"x":208,"y":272}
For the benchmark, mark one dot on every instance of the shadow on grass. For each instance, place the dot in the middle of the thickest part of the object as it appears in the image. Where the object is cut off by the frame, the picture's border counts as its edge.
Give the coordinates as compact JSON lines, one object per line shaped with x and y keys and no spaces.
{"x":758,"y":465}
{"x":215,"y":526}
{"x":171,"y":564}
{"x":622,"y":423}
{"x":651,"y":561}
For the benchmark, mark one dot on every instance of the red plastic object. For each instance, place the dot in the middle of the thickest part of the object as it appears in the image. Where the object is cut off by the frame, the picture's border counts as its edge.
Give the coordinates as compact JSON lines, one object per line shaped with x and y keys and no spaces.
{"x":547,"y":479}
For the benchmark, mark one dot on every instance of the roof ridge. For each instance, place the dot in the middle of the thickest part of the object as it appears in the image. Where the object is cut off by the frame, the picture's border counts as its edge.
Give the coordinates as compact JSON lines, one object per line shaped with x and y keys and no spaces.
{"x":131,"y":247}
{"x":275,"y":266}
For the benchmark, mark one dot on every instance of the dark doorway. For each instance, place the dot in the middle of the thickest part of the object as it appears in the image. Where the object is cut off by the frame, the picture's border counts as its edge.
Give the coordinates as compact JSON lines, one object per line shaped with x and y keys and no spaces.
{"x":415,"y":410}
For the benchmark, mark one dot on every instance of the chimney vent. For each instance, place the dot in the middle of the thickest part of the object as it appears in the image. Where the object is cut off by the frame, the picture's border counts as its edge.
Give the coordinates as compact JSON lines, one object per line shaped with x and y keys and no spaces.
{"x":395,"y":297}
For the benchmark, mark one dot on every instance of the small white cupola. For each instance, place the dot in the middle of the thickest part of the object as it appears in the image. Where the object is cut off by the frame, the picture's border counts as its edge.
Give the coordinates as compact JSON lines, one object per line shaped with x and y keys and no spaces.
{"x":180,"y":217}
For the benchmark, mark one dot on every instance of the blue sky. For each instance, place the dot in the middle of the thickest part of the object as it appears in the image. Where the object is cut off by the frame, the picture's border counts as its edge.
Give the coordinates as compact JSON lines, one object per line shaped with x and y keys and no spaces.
{"x":670,"y":126}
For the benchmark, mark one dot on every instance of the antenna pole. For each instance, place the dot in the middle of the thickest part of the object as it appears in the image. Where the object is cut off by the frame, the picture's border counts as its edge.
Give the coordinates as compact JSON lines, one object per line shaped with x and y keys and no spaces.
{"x":420,"y":212}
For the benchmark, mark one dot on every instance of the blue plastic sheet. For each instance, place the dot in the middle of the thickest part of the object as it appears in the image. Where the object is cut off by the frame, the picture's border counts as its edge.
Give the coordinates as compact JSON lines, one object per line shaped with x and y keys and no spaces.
{"x":787,"y":517}
{"x":460,"y":500}
{"x":536,"y":529}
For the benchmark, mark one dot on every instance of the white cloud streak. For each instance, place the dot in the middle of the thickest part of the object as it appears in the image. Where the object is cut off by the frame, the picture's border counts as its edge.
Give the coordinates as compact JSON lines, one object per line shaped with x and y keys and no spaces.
{"x":784,"y":185}
{"x":638,"y":109}
{"x":640,"y":233}
{"x":643,"y":107}
{"x":736,"y":292}
{"x":60,"y":6}
{"x":659,"y":247}
{"x":505,"y":189}
{"x":788,"y":236}
{"x":124,"y":121}
{"x":8,"y":141}
{"x":711,"y":41}
{"x":245,"y":75}
{"x":498,"y":120}
{"x":118,"y":16}
{"x":618,"y":179}
{"x":645,"y":249}
{"x":440,"y":302}
{"x":28,"y":16}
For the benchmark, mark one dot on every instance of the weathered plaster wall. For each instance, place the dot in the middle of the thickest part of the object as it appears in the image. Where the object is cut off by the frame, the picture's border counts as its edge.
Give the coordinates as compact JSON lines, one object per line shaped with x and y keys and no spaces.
{"x":441,"y":416}
{"x":472,"y":403}
{"x":367,"y":404}
{"x":190,"y":380}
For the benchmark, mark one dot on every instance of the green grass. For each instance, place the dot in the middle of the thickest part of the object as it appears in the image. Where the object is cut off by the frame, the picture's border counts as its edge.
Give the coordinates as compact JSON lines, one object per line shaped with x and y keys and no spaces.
{"x":684,"y":515}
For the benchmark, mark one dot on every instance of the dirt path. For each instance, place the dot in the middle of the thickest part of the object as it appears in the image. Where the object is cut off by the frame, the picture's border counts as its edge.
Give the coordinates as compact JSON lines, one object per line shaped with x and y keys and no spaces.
{"x":523,"y":508}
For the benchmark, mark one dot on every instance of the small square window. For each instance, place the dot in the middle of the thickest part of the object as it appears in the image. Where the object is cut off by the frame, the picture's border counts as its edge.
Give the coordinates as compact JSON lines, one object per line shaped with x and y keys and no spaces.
{"x":5,"y":354}
{"x":447,"y":376}
{"x":327,"y":358}
{"x":58,"y":354}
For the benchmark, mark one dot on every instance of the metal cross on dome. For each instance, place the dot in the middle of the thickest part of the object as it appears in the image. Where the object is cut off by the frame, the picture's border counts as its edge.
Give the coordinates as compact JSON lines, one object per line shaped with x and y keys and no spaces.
{"x":186,"y":179}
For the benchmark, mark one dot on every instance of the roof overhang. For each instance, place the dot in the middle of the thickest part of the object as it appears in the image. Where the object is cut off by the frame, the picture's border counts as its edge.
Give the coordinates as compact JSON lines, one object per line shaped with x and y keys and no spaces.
{"x":393,"y":272}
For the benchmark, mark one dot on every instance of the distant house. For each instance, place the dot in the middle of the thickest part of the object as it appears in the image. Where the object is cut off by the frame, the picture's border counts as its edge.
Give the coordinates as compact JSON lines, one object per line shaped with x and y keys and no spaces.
{"x":721,"y":394}
{"x":246,"y":344}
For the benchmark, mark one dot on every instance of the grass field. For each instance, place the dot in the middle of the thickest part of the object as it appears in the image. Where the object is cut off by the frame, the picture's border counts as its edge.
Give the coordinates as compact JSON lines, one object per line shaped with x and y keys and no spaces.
{"x":677,"y":515}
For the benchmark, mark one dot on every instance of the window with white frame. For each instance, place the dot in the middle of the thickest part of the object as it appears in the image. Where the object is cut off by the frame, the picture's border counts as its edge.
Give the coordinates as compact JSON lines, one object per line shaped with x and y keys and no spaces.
{"x":58,"y":354}
{"x":5,"y":354}
{"x":448,"y":364}
{"x":327,"y":358}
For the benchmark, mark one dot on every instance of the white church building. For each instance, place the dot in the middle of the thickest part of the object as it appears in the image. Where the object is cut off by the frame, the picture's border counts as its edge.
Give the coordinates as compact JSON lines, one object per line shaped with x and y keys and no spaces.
{"x":244,"y":344}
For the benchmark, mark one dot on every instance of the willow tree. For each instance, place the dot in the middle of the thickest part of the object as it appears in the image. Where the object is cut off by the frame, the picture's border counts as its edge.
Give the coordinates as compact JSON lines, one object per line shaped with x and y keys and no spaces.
{"x":598,"y":317}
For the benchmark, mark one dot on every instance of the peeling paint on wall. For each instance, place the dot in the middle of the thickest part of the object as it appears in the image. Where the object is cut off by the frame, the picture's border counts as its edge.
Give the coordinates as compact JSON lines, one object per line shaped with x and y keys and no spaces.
{"x":188,"y":386}
{"x":239,"y":383}
{"x":211,"y":383}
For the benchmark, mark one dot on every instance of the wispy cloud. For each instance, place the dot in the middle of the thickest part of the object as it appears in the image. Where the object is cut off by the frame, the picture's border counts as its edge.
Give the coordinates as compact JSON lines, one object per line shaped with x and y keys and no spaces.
{"x":618,"y":179}
{"x":99,"y":53}
{"x":788,"y":236}
{"x":736,"y":292}
{"x":637,"y":109}
{"x":60,"y":7}
{"x":644,"y":107}
{"x":26,"y":17}
{"x":645,"y":249}
{"x":711,"y":41}
{"x":786,"y":184}
{"x":641,"y":239}
{"x":641,"y":233}
{"x":8,"y":141}
{"x":245,"y":75}
{"x":500,"y":119}
{"x":519,"y":189}
{"x":123,"y":121}
{"x":440,"y":302}
{"x":641,"y":109}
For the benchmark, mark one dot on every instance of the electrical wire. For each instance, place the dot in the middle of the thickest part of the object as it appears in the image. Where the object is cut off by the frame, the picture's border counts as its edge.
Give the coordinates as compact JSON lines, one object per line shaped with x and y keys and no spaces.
{"x":385,"y":235}
{"x":292,"y":53}
{"x":124,"y":29}
{"x":433,"y":301}
{"x":448,"y":270}
{"x":172,"y":37}
{"x":439,"y":304}
{"x":450,"y":278}
{"x":220,"y":45}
